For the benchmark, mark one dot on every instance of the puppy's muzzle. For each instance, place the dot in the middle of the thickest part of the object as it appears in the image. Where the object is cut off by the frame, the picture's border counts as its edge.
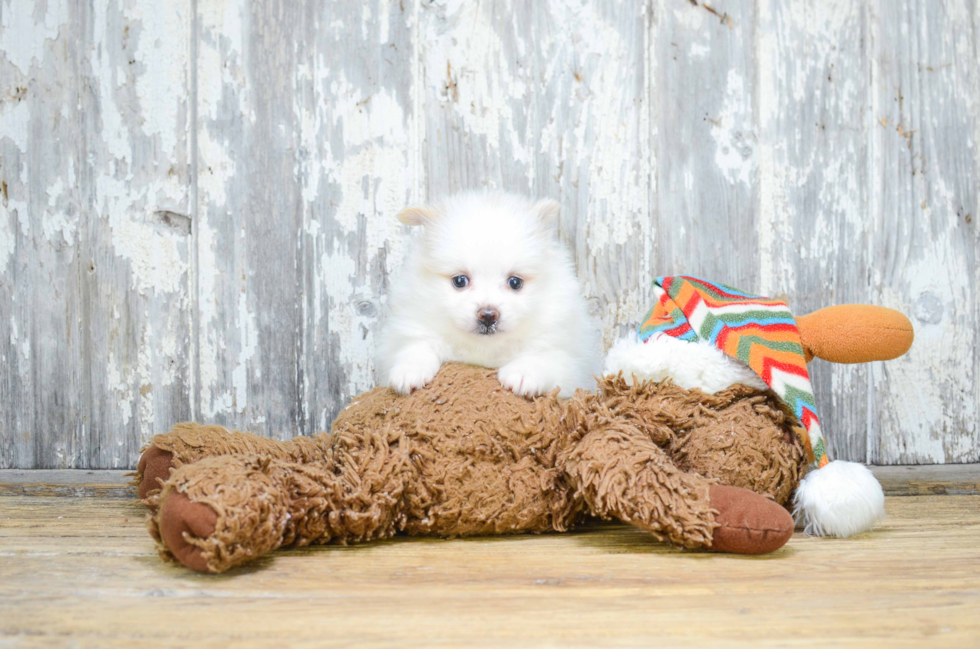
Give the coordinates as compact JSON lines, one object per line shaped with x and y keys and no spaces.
{"x":487,"y":320}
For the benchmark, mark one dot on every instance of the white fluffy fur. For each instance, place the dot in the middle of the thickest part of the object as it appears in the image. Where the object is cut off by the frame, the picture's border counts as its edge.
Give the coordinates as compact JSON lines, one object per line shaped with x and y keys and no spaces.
{"x":543,"y":338}
{"x":688,"y":364}
{"x":841,"y":499}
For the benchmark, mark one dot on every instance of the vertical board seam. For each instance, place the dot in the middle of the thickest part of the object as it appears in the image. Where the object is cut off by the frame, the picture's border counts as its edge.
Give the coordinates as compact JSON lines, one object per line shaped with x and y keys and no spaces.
{"x":194,"y":306}
{"x":83,"y":452}
{"x":417,"y":80}
{"x":647,"y":96}
{"x":976,"y":209}
{"x":870,"y":169}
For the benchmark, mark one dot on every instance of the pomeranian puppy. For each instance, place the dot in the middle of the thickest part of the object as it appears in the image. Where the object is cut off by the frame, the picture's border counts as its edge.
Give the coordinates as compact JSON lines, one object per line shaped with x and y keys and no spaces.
{"x":488,"y":283}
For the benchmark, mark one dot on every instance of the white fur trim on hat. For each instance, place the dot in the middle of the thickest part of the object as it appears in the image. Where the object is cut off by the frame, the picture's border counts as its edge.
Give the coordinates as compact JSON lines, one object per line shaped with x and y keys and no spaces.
{"x":841,"y":499}
{"x":690,"y":364}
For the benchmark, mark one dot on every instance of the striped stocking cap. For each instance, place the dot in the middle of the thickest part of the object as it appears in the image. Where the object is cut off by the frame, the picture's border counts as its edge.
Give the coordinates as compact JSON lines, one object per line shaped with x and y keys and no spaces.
{"x":755,"y":330}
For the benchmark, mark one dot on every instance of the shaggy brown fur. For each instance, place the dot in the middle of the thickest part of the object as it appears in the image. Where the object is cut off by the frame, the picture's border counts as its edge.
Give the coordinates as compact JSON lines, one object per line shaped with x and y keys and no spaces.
{"x":741,"y":436}
{"x":464,"y":456}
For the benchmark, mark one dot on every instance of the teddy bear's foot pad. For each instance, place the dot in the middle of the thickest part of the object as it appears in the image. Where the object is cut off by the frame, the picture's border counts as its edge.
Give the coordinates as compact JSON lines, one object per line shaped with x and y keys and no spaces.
{"x":747,"y":522}
{"x":179,"y":515}
{"x":154,"y":465}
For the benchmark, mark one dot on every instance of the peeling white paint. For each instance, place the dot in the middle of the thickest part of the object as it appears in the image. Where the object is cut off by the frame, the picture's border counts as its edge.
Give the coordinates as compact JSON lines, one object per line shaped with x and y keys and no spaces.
{"x":248,"y":345}
{"x":938,"y":294}
{"x":161,"y":86}
{"x":733,"y":130}
{"x":468,"y":72}
{"x":367,"y":186}
{"x":15,"y":117}
{"x":59,"y":227}
{"x":117,"y":385}
{"x":603,"y":160}
{"x":8,"y":236}
{"x":214,"y":401}
{"x":158,"y":258}
{"x":218,"y":55}
{"x":25,"y":31}
{"x":109,"y":76}
{"x":22,"y":349}
{"x":145,"y":364}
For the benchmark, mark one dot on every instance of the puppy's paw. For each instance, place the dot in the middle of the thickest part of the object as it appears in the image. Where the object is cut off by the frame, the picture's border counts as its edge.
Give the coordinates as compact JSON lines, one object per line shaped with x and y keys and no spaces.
{"x":406,"y":377}
{"x":525,"y":377}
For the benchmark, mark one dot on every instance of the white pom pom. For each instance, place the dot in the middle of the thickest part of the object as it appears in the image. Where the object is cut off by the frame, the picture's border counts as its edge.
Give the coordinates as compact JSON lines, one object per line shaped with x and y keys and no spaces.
{"x":841,"y":499}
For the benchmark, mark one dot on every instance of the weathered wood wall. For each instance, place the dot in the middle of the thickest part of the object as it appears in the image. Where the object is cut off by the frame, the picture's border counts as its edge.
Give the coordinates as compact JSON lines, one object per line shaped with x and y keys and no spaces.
{"x":197,"y":197}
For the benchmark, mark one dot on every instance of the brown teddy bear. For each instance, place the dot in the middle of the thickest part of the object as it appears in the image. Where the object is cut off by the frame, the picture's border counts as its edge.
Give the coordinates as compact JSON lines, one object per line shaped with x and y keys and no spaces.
{"x":463,"y":456}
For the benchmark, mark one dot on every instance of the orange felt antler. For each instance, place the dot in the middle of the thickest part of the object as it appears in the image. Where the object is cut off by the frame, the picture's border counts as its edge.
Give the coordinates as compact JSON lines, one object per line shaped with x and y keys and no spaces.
{"x":855,"y":333}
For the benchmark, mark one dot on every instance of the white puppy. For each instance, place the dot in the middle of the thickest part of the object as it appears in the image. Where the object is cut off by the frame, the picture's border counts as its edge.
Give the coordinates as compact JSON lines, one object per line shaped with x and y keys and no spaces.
{"x":488,"y":283}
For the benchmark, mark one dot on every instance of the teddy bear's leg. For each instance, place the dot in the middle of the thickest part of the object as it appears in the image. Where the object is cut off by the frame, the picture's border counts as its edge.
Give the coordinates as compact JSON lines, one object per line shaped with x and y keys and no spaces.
{"x":223,"y":511}
{"x":744,"y":440}
{"x":190,"y":442}
{"x":621,"y":472}
{"x":740,"y":436}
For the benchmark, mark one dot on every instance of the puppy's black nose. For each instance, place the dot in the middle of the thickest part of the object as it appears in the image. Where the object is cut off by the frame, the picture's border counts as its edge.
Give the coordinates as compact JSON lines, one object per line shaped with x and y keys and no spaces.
{"x":487,"y":316}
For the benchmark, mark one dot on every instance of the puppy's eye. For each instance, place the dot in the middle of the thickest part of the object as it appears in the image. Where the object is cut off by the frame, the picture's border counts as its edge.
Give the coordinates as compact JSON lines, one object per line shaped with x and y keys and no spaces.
{"x":515,"y":283}
{"x":461,"y":281}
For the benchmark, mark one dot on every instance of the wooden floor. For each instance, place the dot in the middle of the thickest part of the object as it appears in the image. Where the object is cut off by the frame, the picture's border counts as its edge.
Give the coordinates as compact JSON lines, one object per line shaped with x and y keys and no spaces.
{"x":82,"y":572}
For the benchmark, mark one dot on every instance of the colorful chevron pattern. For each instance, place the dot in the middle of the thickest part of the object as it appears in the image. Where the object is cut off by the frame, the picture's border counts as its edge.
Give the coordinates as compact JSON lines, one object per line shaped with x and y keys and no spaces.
{"x":759,"y":331}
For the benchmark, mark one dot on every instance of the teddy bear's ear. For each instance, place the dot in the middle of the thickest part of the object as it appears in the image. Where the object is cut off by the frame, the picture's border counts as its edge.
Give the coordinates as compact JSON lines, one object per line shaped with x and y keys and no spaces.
{"x":547,"y":210}
{"x":417,"y":215}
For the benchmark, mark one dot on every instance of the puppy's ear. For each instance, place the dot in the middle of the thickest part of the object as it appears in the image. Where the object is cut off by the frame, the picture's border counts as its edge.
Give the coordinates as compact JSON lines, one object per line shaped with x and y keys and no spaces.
{"x":547,"y":210}
{"x":417,"y":215}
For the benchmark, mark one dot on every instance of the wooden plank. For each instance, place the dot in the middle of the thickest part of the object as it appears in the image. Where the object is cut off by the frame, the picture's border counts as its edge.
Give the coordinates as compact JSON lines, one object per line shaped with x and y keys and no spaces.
{"x":63,"y":476}
{"x":76,"y":490}
{"x":477,"y":76}
{"x":42,"y":219}
{"x":305,"y":136}
{"x":814,"y":185}
{"x":95,"y":227}
{"x":248,"y":273}
{"x":603,"y":586}
{"x":360,"y":129}
{"x":69,"y":483}
{"x":592,"y":148}
{"x":925,"y":241}
{"x":939,"y":480}
{"x":550,"y":102}
{"x":137,"y":175}
{"x":706,"y":131}
{"x":949,"y":479}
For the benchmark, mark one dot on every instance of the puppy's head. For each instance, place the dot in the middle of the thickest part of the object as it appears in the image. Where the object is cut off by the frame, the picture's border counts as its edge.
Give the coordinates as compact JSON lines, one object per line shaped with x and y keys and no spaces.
{"x":486,"y":259}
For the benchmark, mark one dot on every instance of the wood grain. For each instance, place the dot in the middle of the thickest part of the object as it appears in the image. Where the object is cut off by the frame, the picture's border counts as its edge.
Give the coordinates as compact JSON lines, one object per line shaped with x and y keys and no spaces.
{"x":925,"y":241}
{"x":707,"y":137}
{"x":94,"y":178}
{"x":912,"y":582}
{"x":197,"y":198}
{"x":909,"y":480}
{"x":300,"y":180}
{"x":814,"y":185}
{"x":594,"y":148}
{"x":951,"y":479}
